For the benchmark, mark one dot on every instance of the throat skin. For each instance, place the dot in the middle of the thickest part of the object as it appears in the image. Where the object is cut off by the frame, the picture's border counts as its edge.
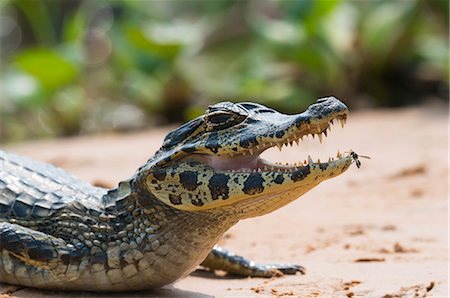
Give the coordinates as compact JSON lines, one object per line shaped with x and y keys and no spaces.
{"x":170,"y":242}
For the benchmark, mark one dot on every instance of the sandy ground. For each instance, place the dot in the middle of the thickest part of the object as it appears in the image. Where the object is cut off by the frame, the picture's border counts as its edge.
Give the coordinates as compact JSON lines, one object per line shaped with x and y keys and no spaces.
{"x":377,"y":231}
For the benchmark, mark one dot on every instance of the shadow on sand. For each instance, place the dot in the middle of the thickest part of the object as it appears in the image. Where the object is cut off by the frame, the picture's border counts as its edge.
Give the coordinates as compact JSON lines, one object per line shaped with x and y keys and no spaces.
{"x":168,"y":291}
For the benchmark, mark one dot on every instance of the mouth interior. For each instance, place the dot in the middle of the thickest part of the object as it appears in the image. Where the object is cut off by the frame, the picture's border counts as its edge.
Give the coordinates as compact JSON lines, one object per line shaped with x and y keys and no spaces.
{"x":250,"y":160}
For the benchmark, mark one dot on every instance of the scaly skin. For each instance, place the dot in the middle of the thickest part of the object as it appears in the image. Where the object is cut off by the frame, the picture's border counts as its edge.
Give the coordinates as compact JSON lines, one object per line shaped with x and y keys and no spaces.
{"x":57,"y":232}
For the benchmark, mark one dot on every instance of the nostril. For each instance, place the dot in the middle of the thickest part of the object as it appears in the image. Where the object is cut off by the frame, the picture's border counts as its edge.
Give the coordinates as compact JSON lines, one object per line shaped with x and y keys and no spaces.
{"x":321,"y":100}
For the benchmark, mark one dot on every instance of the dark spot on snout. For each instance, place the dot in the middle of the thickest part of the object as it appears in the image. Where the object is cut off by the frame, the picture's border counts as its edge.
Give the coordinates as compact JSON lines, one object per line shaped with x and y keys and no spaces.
{"x":160,"y":174}
{"x":323,"y":166}
{"x":279,"y":134}
{"x":301,"y":174}
{"x":176,"y":200}
{"x":253,"y":184}
{"x":212,"y":143}
{"x":189,"y":180}
{"x":301,"y":120}
{"x":248,"y":141}
{"x":218,"y":186}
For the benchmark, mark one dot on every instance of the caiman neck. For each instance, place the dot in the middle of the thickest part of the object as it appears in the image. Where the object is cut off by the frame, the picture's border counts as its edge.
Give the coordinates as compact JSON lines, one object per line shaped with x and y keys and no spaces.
{"x":144,"y":216}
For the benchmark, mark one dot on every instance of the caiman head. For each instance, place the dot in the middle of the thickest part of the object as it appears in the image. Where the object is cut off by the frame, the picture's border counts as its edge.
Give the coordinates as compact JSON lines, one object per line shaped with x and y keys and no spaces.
{"x":213,"y":162}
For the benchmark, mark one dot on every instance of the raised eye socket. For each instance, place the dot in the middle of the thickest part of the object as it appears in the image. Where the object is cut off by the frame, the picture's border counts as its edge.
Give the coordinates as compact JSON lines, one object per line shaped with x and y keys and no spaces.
{"x":220,"y":120}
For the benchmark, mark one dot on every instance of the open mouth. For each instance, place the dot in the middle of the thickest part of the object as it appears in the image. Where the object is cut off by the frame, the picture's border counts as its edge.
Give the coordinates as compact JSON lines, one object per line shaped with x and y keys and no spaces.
{"x":249,"y":160}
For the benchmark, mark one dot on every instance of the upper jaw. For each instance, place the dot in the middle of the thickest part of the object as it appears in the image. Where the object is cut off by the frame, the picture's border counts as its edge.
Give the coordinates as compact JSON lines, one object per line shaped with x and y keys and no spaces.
{"x":277,"y":129}
{"x":287,"y":129}
{"x":298,"y":126}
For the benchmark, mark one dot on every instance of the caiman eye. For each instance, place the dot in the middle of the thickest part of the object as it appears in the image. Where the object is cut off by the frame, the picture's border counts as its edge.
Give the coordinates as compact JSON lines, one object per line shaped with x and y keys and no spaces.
{"x":221,"y":119}
{"x":218,"y":117}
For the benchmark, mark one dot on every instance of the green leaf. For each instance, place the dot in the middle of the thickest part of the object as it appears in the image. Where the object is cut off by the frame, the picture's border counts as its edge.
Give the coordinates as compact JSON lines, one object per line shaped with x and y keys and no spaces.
{"x":47,"y":66}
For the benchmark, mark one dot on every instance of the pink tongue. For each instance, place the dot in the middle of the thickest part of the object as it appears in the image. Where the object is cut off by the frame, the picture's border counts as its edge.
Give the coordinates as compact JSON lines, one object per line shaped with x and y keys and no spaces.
{"x":233,"y":163}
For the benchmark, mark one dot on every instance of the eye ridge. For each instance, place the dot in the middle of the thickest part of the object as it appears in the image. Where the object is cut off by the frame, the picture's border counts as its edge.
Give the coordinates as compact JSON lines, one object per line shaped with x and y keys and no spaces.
{"x":220,"y":117}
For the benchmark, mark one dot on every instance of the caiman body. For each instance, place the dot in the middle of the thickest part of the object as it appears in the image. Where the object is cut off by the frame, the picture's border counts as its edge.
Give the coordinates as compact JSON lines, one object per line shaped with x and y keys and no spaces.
{"x":57,"y":232}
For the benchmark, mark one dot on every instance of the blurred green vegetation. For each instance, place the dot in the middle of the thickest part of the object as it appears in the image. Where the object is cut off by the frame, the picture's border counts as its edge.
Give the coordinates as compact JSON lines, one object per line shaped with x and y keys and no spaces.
{"x":70,"y":67}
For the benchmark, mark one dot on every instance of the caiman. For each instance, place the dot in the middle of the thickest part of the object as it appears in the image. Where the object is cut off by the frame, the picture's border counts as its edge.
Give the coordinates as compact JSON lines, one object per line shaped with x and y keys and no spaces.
{"x":57,"y":232}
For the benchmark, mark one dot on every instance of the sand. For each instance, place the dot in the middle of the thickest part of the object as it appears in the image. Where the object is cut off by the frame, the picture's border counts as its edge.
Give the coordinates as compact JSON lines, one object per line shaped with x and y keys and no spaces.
{"x":377,"y":231}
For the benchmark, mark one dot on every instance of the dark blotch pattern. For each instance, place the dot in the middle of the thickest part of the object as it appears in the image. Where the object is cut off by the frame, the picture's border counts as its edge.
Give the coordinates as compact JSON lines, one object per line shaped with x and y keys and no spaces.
{"x":180,"y":134}
{"x":301,"y":174}
{"x":176,"y":200}
{"x":218,"y":186}
{"x":189,"y":180}
{"x":323,"y":166}
{"x":279,"y":134}
{"x":197,"y":202}
{"x":160,"y":174}
{"x":188,"y":149}
{"x":279,"y":179}
{"x":248,"y":141}
{"x":302,"y":120}
{"x":253,"y":184}
{"x":212,"y":143}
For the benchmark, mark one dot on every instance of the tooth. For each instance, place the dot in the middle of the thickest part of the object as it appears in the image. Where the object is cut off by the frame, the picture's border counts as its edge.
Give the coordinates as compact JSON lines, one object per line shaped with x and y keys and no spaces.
{"x":338,"y":155}
{"x":320,"y":137}
{"x":301,"y":138}
{"x":251,"y":151}
{"x":310,"y":161}
{"x":318,"y":129}
{"x":257,"y":146}
{"x":342,"y":122}
{"x":244,"y":153}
